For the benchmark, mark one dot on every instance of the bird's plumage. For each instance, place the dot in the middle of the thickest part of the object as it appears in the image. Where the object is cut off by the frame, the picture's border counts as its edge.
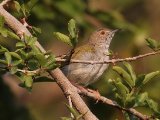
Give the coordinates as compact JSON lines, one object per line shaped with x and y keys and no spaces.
{"x":95,"y":50}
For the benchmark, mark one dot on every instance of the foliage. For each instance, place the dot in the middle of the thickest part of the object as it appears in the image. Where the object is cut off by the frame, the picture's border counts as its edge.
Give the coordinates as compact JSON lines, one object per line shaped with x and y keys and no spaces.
{"x":27,"y":62}
{"x":128,"y":88}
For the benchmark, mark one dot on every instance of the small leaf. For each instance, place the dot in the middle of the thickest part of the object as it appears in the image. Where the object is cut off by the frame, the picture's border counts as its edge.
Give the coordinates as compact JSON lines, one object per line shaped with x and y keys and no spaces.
{"x":140,"y":99}
{"x":50,"y":60}
{"x":149,"y":76}
{"x":32,"y":41}
{"x":13,"y":69}
{"x":3,"y":62}
{"x":8,"y":57}
{"x":3,"y":49}
{"x":152,"y":43}
{"x":124,"y":75}
{"x":72,"y":28}
{"x":130,"y":70}
{"x":16,"y":62}
{"x":63,"y":38}
{"x":28,"y":81}
{"x":36,"y":30}
{"x":20,"y":45}
{"x":73,"y":32}
{"x":153,"y":105}
{"x":12,"y":35}
{"x":121,"y":89}
{"x":41,"y":59}
{"x":15,"y":55}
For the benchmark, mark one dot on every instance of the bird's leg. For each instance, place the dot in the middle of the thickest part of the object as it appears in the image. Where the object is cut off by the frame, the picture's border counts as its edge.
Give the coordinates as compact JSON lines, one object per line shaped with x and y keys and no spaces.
{"x":96,"y":93}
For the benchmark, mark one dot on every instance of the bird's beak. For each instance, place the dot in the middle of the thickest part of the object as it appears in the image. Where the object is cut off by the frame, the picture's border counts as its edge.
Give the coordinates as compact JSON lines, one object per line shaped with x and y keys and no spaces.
{"x":114,"y":31}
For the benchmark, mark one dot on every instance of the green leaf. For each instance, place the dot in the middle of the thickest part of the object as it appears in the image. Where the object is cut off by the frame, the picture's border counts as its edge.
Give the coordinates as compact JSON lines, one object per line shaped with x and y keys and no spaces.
{"x":28,"y":81}
{"x":140,"y":99}
{"x":73,"y":32}
{"x":72,"y":28}
{"x":15,"y":55}
{"x":152,"y":43}
{"x":50,"y":64}
{"x":16,"y":62}
{"x":63,"y":38}
{"x":12,"y":35}
{"x":36,"y":30}
{"x":41,"y":59}
{"x":3,"y":49}
{"x":20,"y":44}
{"x":149,"y":76}
{"x":4,"y":32}
{"x":124,"y":75}
{"x":13,"y":69}
{"x":8,"y":57}
{"x":121,"y":89}
{"x":153,"y":105}
{"x":130,"y":70}
{"x":3,"y":62}
{"x":32,"y":41}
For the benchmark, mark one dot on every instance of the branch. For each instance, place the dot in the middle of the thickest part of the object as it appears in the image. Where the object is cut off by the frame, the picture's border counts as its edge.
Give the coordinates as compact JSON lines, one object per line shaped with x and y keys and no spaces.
{"x":109,"y":61}
{"x":114,"y":104}
{"x":62,"y":81}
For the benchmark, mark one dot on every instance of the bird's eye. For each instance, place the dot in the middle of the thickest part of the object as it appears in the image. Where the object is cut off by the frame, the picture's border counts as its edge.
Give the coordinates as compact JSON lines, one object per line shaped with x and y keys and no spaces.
{"x":102,"y":32}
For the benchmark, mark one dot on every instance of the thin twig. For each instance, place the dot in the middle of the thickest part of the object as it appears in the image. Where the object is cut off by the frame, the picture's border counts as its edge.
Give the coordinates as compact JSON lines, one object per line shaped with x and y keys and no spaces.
{"x":109,"y":61}
{"x":30,"y":72}
{"x":114,"y":104}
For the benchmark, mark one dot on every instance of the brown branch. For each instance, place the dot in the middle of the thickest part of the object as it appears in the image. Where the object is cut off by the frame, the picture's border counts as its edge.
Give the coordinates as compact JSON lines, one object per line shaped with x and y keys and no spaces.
{"x":63,"y":82}
{"x":113,"y":103}
{"x":109,"y":61}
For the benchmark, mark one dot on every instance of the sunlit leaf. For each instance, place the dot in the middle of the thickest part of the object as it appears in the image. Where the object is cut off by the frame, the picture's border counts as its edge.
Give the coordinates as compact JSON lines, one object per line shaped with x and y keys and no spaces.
{"x":149,"y":76}
{"x":63,"y":38}
{"x":152,"y":43}
{"x":8,"y":57}
{"x":130,"y":69}
{"x":124,"y":75}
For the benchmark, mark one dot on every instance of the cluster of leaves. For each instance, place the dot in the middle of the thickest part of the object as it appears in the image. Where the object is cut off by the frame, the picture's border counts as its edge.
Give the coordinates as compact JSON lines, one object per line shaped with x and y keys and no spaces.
{"x":128,"y":88}
{"x":24,"y":7}
{"x":72,"y":39}
{"x":27,"y":61}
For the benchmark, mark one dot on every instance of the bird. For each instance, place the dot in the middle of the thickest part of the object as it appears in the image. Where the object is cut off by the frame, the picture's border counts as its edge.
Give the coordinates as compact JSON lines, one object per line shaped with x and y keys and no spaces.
{"x":95,"y":49}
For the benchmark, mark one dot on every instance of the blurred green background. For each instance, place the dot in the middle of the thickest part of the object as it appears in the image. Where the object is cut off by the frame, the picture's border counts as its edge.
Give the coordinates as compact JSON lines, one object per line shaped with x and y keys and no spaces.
{"x":137,"y":19}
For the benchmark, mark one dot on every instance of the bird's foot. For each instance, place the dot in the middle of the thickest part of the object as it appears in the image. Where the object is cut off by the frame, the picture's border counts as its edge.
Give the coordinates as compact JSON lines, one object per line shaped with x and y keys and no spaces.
{"x":96,"y":93}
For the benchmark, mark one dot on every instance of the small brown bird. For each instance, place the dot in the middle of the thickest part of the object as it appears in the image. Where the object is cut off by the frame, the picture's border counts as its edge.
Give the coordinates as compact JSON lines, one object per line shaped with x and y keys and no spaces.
{"x":95,"y":49}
